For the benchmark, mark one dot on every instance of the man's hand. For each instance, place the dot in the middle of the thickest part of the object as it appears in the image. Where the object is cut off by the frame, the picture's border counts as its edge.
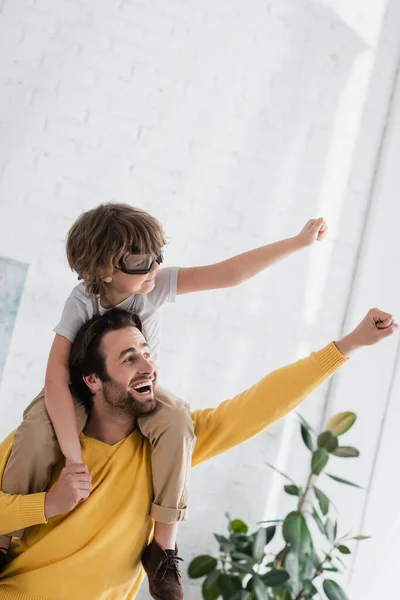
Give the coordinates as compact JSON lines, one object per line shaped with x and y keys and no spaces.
{"x":313,"y":231}
{"x":374,"y":327}
{"x":73,"y":486}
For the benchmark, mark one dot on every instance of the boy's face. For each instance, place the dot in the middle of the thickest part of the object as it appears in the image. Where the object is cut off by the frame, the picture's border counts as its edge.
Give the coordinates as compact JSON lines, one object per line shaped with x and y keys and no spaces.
{"x":124,"y":283}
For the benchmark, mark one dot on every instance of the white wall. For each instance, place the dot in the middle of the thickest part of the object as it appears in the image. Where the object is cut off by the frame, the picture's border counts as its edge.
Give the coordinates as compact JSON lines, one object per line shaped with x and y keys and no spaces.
{"x":232,"y":123}
{"x":372,"y":385}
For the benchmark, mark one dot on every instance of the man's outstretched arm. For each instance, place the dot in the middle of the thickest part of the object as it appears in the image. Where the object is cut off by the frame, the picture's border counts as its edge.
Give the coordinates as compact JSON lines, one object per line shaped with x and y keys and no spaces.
{"x":248,"y":413}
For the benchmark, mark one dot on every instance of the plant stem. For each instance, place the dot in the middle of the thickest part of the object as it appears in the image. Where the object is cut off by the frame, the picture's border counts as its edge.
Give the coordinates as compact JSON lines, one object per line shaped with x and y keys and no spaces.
{"x":304,"y":495}
{"x":282,"y":556}
{"x":302,"y":499}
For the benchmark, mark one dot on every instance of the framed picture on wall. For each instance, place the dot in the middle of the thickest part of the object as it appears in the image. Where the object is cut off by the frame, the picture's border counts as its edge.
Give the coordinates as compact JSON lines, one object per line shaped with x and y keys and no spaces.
{"x":12,"y":280}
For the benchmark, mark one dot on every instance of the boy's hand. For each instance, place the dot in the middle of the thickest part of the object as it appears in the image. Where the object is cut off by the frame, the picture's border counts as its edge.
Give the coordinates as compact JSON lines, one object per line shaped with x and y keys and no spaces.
{"x":73,"y":486}
{"x":313,"y":231}
{"x":375,"y":326}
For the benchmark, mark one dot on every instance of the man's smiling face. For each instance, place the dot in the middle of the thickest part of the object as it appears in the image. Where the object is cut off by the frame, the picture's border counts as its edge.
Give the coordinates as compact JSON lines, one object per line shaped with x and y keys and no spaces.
{"x":131,"y":373}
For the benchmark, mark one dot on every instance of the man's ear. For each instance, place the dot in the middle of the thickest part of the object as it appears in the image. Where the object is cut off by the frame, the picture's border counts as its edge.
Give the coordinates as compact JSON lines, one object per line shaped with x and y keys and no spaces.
{"x":107,"y":279}
{"x":93,"y":382}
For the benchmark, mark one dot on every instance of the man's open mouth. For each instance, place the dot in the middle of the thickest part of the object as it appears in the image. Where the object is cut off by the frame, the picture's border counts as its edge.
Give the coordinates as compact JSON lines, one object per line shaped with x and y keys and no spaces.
{"x":142,"y":388}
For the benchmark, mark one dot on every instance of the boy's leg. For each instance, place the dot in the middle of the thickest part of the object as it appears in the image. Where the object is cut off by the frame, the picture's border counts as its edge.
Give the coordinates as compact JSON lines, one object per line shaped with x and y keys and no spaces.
{"x":170,"y":431}
{"x":35,"y":451}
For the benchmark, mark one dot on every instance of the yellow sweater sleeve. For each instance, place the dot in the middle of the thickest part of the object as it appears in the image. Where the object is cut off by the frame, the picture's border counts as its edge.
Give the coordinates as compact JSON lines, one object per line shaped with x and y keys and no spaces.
{"x":18,"y":511}
{"x":245,"y":415}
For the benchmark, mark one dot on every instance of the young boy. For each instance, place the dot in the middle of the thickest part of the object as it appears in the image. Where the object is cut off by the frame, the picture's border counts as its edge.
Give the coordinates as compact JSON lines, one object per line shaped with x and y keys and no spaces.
{"x":116,"y":251}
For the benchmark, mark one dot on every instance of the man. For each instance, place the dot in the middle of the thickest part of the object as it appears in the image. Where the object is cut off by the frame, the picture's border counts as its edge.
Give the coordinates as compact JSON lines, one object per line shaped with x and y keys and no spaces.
{"x":87,"y":533}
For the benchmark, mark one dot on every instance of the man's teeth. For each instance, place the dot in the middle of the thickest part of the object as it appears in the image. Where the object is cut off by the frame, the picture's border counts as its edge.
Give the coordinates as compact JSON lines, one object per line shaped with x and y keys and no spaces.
{"x":142,"y":387}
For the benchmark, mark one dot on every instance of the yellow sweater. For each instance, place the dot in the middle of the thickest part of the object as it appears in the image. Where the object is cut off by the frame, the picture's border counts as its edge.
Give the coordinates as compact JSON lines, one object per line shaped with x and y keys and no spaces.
{"x":93,"y":553}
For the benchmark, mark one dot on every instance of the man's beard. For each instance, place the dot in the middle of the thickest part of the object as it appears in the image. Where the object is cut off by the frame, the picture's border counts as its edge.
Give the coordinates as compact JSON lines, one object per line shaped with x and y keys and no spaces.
{"x":121,"y":402}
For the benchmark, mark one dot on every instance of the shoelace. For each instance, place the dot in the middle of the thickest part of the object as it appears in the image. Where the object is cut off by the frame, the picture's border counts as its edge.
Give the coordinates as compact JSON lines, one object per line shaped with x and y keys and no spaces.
{"x":169,"y":562}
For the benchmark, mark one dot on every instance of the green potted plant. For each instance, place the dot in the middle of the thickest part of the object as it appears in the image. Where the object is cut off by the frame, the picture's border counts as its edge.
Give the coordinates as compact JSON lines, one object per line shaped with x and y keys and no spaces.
{"x":313,"y":550}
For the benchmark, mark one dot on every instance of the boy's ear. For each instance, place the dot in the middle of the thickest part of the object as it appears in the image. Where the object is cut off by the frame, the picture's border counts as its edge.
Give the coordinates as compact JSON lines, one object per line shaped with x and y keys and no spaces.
{"x":108,"y":279}
{"x":93,"y":382}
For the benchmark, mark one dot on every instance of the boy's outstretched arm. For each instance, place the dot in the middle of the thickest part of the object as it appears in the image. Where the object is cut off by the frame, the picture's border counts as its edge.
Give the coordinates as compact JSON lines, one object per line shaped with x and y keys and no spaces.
{"x":239,"y":268}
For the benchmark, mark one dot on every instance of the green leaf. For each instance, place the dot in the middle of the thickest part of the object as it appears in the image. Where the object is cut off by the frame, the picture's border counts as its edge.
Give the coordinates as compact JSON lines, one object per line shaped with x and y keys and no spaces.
{"x":340,"y":561}
{"x":333,"y":591}
{"x":260,"y":541}
{"x":327,"y":440}
{"x":319,"y":459}
{"x":242,"y":542}
{"x":271,"y":521}
{"x":335,"y":528}
{"x":228,"y":516}
{"x":260,"y":589}
{"x":307,"y":566}
{"x":318,"y":521}
{"x":304,"y":422}
{"x":271,"y":530}
{"x":238,"y":526}
{"x":229,"y":585}
{"x":307,"y":439}
{"x":323,"y":500}
{"x":210,"y":588}
{"x":344,"y":549}
{"x":329,"y":532}
{"x":346,"y":452}
{"x":296,"y":533}
{"x":240,"y":556}
{"x":241,"y":595}
{"x":292,"y":566}
{"x":310,"y":589}
{"x":341,"y":423}
{"x":361,"y":537}
{"x":275,"y":577}
{"x":201,"y":565}
{"x":282,"y":594}
{"x":331,"y":569}
{"x":340,"y":480}
{"x":292,"y":490}
{"x":243,"y":568}
{"x":278,"y":471}
{"x":225,"y":544}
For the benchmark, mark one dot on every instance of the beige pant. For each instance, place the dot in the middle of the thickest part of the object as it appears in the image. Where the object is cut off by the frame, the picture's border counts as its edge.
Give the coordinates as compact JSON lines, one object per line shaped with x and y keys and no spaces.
{"x":170,"y":431}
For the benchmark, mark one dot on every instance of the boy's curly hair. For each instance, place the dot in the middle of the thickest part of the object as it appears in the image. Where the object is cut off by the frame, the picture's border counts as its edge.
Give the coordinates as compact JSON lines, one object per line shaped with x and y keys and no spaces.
{"x":100,"y":237}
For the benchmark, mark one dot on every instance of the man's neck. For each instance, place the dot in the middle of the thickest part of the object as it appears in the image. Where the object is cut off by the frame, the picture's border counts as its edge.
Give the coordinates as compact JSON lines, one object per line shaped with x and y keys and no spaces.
{"x":108,"y":428}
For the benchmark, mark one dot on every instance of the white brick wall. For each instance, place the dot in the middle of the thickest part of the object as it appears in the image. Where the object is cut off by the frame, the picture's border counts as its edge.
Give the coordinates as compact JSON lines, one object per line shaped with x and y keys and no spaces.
{"x":232,"y":123}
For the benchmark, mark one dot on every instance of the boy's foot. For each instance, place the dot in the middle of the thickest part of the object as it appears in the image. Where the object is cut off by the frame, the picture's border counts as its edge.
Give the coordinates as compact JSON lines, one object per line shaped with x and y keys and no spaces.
{"x":3,"y":558}
{"x":162,"y":569}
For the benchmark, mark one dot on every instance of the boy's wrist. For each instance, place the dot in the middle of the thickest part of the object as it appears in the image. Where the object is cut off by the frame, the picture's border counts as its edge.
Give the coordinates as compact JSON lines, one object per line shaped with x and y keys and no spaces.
{"x":50,"y":509}
{"x":298,"y":242}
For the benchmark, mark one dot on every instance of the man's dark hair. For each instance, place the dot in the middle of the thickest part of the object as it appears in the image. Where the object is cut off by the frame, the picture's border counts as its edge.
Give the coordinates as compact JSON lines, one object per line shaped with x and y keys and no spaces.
{"x":86,"y":357}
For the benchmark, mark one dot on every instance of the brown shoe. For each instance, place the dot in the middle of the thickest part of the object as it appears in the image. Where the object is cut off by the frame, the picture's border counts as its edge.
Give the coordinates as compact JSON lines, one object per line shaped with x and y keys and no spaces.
{"x":162,"y":569}
{"x":4,"y":558}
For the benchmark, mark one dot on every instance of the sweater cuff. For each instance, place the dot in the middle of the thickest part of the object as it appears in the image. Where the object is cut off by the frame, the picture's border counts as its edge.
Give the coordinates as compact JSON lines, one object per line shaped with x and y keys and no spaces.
{"x":32,"y":510}
{"x":329,"y":359}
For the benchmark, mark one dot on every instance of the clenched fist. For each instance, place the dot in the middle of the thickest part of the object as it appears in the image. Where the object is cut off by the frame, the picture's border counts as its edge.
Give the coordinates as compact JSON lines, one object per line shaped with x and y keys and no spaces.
{"x":375,"y":326}
{"x":313,"y":231}
{"x":72,"y":487}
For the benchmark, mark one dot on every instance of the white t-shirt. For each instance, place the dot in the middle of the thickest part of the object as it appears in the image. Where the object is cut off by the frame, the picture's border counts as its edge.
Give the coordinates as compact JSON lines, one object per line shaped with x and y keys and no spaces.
{"x":80,"y":307}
